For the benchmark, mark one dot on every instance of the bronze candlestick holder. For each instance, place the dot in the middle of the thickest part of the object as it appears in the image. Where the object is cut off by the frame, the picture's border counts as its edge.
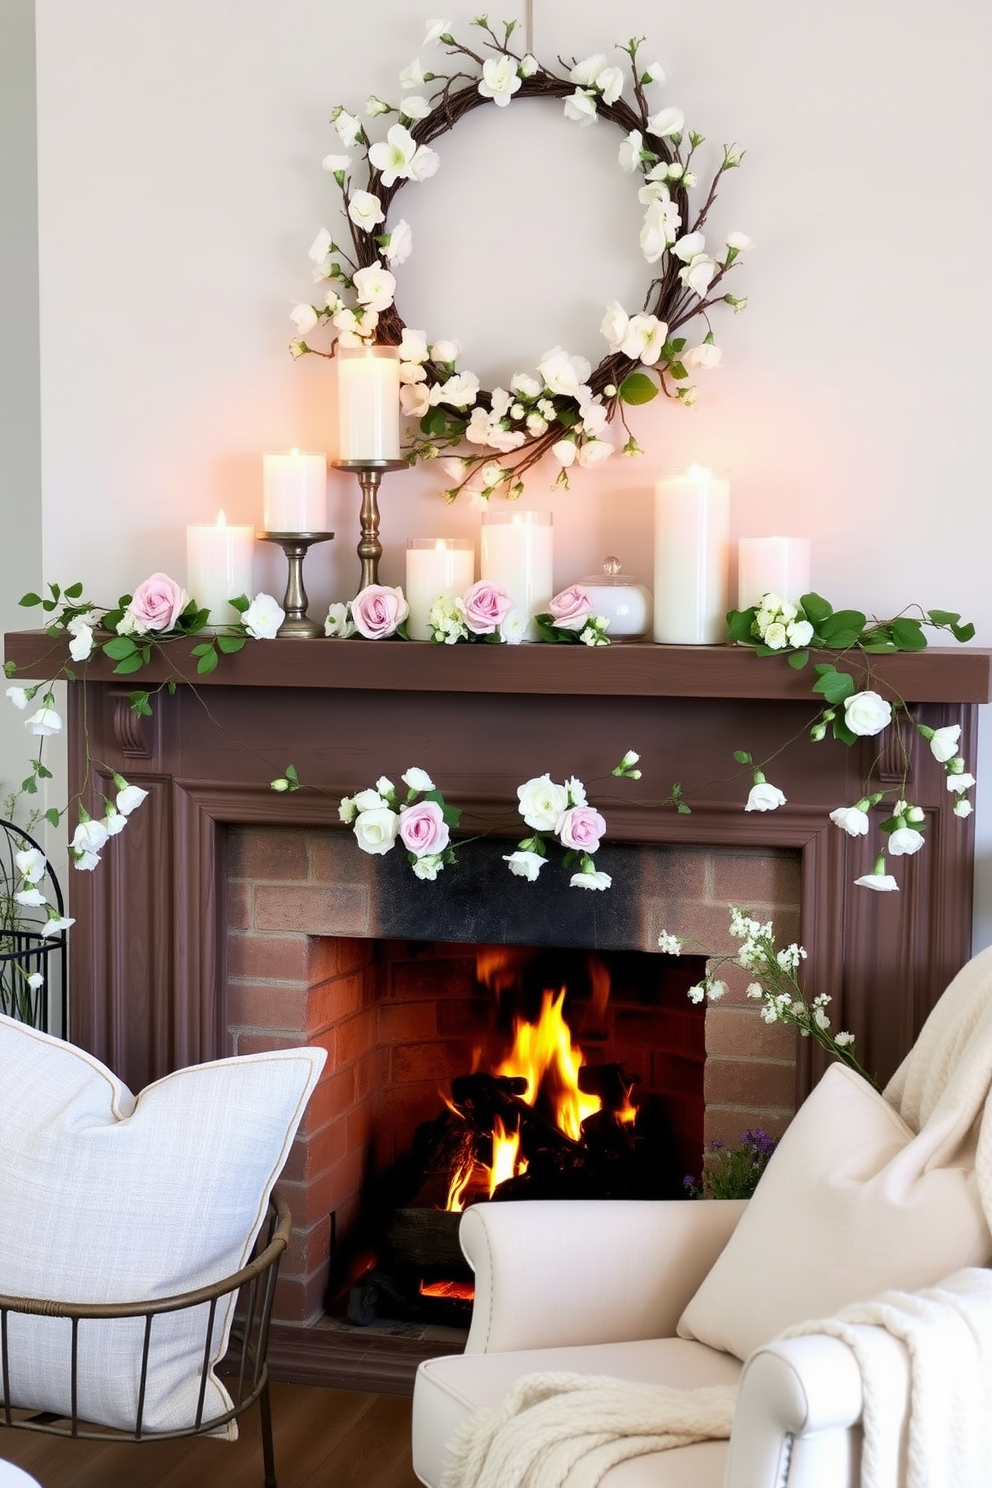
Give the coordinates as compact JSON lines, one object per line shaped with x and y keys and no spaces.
{"x":370,"y":473}
{"x":296,"y":545}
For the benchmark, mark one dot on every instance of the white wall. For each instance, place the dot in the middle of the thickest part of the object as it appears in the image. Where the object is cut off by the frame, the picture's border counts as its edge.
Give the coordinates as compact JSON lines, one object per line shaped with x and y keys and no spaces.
{"x":180,"y":188}
{"x":20,"y":451}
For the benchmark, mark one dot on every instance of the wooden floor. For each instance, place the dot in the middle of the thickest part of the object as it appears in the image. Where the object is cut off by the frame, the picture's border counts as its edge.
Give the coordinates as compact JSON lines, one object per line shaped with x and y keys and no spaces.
{"x":322,"y":1438}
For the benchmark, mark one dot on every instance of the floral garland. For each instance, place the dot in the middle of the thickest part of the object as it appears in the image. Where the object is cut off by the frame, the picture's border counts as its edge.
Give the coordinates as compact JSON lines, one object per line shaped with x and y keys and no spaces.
{"x":567,"y":407}
{"x":485,"y":612}
{"x":779,"y":626}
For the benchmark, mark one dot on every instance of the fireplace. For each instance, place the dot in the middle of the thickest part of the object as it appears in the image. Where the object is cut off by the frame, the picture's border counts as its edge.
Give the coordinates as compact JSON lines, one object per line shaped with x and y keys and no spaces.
{"x":156,"y":977}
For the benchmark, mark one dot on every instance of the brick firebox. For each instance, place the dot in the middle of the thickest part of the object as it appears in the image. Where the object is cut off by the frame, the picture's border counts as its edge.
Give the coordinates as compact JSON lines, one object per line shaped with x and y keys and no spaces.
{"x":302,"y":967}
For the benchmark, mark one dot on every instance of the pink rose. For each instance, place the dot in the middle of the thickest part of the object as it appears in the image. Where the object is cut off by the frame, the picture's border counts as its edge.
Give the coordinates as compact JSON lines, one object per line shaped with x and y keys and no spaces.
{"x":580,"y":828}
{"x":570,"y":609}
{"x":486,"y":606}
{"x":157,"y":603}
{"x":423,"y":829}
{"x":378,"y":611}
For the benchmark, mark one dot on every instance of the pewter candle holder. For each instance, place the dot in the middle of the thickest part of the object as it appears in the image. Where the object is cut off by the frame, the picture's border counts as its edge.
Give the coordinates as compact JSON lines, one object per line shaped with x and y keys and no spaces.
{"x":370,"y":473}
{"x":296,"y":545}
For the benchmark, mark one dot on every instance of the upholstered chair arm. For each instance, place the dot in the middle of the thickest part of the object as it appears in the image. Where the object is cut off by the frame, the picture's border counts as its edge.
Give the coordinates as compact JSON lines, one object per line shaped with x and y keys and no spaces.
{"x":798,"y":1417}
{"x":551,"y":1274}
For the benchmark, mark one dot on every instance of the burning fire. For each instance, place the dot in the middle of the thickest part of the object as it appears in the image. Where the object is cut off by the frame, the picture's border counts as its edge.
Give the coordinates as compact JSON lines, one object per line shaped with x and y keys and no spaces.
{"x":543,"y":1054}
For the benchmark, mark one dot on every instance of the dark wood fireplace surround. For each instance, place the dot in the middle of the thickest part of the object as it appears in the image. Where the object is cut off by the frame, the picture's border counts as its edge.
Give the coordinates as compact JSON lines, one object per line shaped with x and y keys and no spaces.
{"x":148,"y":947}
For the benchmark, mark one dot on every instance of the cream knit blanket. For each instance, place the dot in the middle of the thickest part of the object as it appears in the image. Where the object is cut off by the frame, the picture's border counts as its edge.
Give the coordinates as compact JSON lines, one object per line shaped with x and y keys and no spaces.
{"x":567,"y":1430}
{"x":947,"y":1330}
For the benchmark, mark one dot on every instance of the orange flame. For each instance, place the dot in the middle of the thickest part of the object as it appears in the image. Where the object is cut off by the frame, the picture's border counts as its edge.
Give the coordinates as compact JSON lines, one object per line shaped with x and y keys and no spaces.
{"x":544,"y":1056}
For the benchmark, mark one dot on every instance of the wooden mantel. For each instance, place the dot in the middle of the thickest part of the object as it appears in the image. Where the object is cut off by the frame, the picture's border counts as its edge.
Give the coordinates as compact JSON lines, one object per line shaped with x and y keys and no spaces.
{"x":148,"y":970}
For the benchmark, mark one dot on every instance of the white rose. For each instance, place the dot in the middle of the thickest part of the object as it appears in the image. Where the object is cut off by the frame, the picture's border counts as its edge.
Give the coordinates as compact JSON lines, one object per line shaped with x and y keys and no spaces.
{"x":662,"y":221}
{"x":687,"y":248}
{"x":527,"y":387}
{"x":581,"y":108}
{"x":89,"y":837}
{"x":376,"y":830}
{"x":375,"y":107}
{"x":428,"y":866}
{"x":81,"y":644}
{"x":31,"y":864}
{"x":562,"y":373}
{"x":129,"y":798}
{"x":375,"y":287}
{"x":460,"y":391}
{"x":399,"y":244}
{"x":960,"y":783}
{"x":415,"y":107}
{"x":368,"y":799}
{"x":740,"y":241}
{"x":764,"y":797}
{"x":614,"y":324}
{"x":593,"y":880}
{"x":705,"y":356}
{"x":304,"y":317}
{"x":529,"y":65}
{"x":445,"y":351}
{"x":800,"y":633}
{"x":417,"y":779}
{"x":585,"y":72}
{"x":338,"y":623}
{"x":524,"y":864}
{"x":666,"y":123}
{"x":424,"y":163}
{"x":365,"y":210}
{"x":866,"y":713}
{"x":852,"y":819}
{"x":45,"y":722}
{"x":962,"y":807}
{"x":697,"y":274}
{"x":943,"y":744}
{"x":411,"y":372}
{"x":413,"y":346}
{"x":499,"y":79}
{"x":542,"y":803}
{"x":905,"y":840}
{"x":333,"y":163}
{"x":30,"y":898}
{"x":610,"y":84}
{"x":413,"y":76}
{"x":263,"y":618}
{"x":415,"y":400}
{"x":645,"y":339}
{"x":775,"y":636}
{"x":593,"y":452}
{"x":348,"y":128}
{"x":629,"y":154}
{"x":564,"y":452}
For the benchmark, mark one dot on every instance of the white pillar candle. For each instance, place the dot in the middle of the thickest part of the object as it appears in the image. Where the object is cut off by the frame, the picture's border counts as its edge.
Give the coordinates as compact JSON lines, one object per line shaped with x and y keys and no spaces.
{"x":218,"y":567}
{"x":368,"y":403}
{"x":771,"y":565}
{"x":691,"y":549}
{"x":294,"y":492}
{"x":517,"y":554}
{"x":435,"y":566}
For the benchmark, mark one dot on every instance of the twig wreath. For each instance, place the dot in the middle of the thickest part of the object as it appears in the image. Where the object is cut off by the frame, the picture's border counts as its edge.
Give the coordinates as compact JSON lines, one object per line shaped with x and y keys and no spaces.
{"x":564,"y":410}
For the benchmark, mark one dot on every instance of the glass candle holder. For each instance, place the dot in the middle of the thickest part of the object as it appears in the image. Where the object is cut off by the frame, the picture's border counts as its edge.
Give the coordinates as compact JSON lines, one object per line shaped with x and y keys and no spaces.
{"x":368,"y":403}
{"x":517,"y":553}
{"x":435,"y":566}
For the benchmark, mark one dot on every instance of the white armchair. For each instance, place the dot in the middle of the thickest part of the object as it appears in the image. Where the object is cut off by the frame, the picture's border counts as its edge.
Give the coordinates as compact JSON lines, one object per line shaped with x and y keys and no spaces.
{"x":874,"y":1207}
{"x":598,"y":1288}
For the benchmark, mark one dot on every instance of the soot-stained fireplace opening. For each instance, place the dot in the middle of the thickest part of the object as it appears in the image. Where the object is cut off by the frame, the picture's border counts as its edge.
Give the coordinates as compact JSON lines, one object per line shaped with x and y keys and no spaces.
{"x":561,"y":1074}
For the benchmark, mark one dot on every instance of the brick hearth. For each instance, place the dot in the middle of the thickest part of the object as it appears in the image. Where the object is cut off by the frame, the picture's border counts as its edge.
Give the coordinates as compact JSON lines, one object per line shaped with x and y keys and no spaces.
{"x":301,"y":968}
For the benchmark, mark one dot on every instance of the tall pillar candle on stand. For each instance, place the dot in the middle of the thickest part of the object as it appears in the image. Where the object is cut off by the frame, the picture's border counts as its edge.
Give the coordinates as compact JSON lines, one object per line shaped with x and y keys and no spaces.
{"x":368,"y":435}
{"x":294,"y":514}
{"x":691,"y":552}
{"x":218,"y":567}
{"x":435,"y":566}
{"x":517,"y":554}
{"x":771,"y":565}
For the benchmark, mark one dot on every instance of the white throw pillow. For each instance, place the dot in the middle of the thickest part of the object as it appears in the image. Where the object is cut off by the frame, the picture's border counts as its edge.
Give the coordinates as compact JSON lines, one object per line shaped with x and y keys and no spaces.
{"x":844,"y":1210}
{"x":110,"y":1197}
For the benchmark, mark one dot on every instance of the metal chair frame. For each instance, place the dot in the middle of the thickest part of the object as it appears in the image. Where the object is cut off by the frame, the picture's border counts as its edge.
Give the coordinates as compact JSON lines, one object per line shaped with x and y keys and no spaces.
{"x":244,"y":1367}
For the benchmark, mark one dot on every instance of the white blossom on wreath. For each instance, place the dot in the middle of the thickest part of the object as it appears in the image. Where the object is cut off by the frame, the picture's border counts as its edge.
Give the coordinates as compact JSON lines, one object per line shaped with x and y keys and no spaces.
{"x":566,"y":408}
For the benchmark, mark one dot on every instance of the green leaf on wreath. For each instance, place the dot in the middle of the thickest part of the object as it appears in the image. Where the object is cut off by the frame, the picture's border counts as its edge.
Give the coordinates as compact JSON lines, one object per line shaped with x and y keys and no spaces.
{"x":29,"y":599}
{"x":432,"y":422}
{"x":129,"y":664}
{"x":74,"y":591}
{"x":963,"y":632}
{"x":637,"y":387}
{"x":229,"y":644}
{"x":207,"y":659}
{"x":52,"y":816}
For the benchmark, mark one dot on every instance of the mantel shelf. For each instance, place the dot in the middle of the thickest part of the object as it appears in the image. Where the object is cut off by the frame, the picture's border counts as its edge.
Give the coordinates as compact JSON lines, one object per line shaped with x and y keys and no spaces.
{"x":937,"y":675}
